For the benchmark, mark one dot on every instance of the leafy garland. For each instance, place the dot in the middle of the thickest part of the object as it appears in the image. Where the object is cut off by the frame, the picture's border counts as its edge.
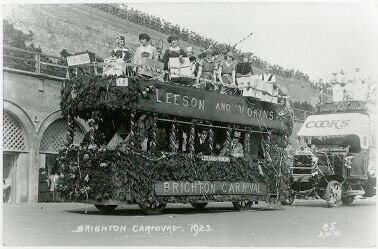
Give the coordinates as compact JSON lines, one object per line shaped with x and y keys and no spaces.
{"x":91,"y":171}
{"x":83,"y":95}
{"x":101,"y":174}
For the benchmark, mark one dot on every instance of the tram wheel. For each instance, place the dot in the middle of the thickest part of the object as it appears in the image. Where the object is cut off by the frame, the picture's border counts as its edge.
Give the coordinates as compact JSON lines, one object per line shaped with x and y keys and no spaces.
{"x":105,"y":208}
{"x":347,"y":200}
{"x":333,"y":194}
{"x":152,"y":208}
{"x":242,"y":205}
{"x":199,"y":206}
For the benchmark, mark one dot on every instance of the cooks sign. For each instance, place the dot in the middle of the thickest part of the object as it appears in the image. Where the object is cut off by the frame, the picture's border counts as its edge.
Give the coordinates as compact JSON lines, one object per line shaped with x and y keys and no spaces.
{"x":338,"y":124}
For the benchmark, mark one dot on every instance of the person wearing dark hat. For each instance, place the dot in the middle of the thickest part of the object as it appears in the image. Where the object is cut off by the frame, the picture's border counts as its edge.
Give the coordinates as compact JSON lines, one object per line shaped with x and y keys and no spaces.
{"x":236,"y":149}
{"x":244,"y":68}
{"x":226,"y":72}
{"x":206,"y":68}
{"x":173,"y":51}
{"x":145,"y":49}
{"x":121,"y":51}
{"x":201,"y":144}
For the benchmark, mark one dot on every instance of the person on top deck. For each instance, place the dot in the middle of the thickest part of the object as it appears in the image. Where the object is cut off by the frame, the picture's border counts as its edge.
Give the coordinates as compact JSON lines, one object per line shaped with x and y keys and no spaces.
{"x":268,"y":76}
{"x":206,"y":69}
{"x":120,"y":51}
{"x":226,"y":73}
{"x":193,"y":61}
{"x":174,"y":51}
{"x":145,"y":50}
{"x":244,"y":68}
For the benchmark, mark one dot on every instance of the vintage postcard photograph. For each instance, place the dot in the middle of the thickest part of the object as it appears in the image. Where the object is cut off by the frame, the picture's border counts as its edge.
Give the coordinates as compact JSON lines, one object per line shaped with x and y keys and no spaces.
{"x":189,"y":124}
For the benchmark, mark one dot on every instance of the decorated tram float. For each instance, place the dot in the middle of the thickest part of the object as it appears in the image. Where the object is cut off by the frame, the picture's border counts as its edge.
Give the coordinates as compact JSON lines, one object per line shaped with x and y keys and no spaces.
{"x":334,"y":163}
{"x":152,"y":142}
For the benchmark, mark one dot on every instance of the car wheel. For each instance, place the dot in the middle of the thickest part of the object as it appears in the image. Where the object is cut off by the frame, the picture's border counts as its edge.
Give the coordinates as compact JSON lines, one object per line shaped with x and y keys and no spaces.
{"x":347,"y":200}
{"x":333,"y":194}
{"x":288,"y":198}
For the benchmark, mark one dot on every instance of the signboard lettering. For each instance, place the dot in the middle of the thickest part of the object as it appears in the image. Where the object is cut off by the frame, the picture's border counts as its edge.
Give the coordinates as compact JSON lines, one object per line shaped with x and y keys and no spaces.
{"x":177,"y":99}
{"x":199,"y":104}
{"x":122,"y":82}
{"x":215,"y":158}
{"x":342,"y":106}
{"x":338,"y":124}
{"x":80,"y":59}
{"x":172,"y":188}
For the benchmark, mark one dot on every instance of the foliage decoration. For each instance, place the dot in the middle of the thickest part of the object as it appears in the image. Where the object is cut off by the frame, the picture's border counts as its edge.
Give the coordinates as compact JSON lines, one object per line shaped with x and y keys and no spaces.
{"x":128,"y":173}
{"x":100,"y":174}
{"x":97,"y":93}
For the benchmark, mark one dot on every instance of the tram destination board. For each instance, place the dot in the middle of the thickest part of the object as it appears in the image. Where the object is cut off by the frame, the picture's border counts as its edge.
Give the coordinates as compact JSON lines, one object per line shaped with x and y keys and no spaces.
{"x":343,"y":106}
{"x":172,"y":188}
{"x":199,"y":104}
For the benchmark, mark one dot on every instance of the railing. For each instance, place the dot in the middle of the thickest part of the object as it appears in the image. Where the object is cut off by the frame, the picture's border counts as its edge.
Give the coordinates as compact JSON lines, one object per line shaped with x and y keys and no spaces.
{"x":34,"y":63}
{"x":46,"y":66}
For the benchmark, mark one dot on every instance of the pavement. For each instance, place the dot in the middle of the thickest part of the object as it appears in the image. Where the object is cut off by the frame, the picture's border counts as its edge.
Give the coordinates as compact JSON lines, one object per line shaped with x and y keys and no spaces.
{"x":305,"y":223}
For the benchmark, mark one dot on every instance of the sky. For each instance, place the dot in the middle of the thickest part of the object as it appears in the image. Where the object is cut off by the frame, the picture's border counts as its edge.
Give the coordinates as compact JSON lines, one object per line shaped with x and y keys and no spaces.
{"x":316,"y":38}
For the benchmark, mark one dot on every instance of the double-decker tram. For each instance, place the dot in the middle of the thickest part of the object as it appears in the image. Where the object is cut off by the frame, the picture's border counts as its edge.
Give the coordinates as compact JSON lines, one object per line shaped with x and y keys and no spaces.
{"x":151,"y":142}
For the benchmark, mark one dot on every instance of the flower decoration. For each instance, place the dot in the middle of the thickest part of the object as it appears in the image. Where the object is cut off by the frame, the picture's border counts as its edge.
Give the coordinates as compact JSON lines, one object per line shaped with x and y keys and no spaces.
{"x":147,"y":90}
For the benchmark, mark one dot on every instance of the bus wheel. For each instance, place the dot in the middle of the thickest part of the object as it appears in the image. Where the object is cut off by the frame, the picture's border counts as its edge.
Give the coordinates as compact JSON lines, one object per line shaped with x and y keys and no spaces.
{"x":152,"y":208}
{"x":105,"y":208}
{"x":242,"y":205}
{"x":333,"y":194}
{"x":199,"y":206}
{"x":347,"y":200}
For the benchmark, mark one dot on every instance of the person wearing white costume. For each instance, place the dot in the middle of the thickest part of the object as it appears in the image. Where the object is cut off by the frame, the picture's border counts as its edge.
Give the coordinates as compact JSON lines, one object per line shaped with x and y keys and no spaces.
{"x":145,"y":50}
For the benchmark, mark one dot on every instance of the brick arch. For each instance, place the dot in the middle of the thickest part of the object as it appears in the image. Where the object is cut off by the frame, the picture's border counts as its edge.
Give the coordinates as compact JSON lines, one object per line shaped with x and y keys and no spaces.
{"x":53,"y":127}
{"x":22,"y":120}
{"x":14,"y":137}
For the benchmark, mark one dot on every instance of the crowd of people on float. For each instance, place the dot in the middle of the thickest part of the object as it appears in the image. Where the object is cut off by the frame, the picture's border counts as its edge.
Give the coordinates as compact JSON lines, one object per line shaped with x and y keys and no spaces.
{"x":209,"y":70}
{"x":166,"y":27}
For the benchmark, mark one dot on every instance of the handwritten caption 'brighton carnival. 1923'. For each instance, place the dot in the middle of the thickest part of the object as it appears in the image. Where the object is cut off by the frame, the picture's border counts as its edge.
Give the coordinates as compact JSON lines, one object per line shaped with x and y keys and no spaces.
{"x":194,"y":229}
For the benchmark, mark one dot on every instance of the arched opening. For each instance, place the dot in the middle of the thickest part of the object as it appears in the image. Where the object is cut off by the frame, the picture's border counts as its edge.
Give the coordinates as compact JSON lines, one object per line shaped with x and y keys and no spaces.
{"x":15,"y":155}
{"x":53,"y":140}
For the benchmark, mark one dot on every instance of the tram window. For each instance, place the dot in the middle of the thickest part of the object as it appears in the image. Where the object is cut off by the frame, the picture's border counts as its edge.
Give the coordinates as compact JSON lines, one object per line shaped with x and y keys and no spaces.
{"x":255,"y":147}
{"x":182,"y":136}
{"x":162,"y":136}
{"x":219,"y":140}
{"x":236,"y":144}
{"x":201,"y":142}
{"x":353,"y":142}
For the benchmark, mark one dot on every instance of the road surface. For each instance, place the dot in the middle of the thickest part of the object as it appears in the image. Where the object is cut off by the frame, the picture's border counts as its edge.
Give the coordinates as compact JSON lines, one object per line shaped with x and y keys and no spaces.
{"x":305,"y":223}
